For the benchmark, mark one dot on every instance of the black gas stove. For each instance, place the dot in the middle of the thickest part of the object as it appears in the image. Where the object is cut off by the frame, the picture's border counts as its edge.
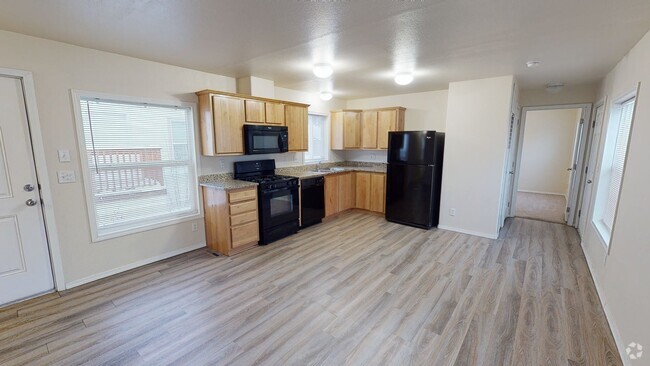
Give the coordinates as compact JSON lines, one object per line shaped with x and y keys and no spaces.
{"x":277,"y":198}
{"x":268,"y":182}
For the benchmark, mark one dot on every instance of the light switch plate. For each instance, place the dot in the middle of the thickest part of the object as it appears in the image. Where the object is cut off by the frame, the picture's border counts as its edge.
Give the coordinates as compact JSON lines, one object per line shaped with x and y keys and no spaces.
{"x":66,"y":176}
{"x":64,"y":155}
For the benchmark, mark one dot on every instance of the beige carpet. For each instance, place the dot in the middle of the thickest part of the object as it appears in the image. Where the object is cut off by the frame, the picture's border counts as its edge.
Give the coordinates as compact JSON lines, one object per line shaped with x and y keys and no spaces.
{"x":547,"y":207}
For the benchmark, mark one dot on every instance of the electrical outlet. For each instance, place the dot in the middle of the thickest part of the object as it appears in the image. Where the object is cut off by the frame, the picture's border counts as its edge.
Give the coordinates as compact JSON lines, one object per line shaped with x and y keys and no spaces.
{"x":66,"y":176}
{"x":222,"y":165}
{"x":372,"y":156}
{"x":195,"y":227}
{"x":452,"y":212}
{"x":64,"y":155}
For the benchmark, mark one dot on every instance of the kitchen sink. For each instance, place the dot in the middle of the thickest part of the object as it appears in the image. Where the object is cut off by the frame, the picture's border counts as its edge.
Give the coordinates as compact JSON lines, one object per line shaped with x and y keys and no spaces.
{"x":328,"y":170}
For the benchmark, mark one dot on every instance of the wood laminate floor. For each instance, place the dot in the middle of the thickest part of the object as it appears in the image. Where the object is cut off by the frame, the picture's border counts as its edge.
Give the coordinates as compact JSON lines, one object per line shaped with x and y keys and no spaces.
{"x":357,"y":290}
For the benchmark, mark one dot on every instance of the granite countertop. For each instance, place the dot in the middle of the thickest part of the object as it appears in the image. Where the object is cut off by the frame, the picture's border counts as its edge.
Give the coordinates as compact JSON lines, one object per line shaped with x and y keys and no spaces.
{"x":305,"y":172}
{"x":226,"y":181}
{"x":223,"y":181}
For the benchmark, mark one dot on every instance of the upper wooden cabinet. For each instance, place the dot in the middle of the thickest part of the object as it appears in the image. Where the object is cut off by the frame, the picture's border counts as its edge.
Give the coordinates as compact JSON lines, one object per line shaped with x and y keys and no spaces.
{"x":369,"y":129}
{"x":364,"y":130}
{"x":275,"y":113}
{"x":255,"y":111}
{"x":296,"y":120}
{"x":223,"y":115}
{"x":351,"y":130}
{"x":388,"y":120}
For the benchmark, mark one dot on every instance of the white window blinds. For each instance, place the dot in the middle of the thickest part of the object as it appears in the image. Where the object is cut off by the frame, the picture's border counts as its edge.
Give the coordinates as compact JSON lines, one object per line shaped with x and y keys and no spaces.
{"x":618,"y":163}
{"x":318,"y":148}
{"x":140,"y":164}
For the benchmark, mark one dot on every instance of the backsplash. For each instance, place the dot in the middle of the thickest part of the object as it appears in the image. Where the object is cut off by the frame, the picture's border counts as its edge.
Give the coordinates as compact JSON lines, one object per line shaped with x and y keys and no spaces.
{"x":290,"y":170}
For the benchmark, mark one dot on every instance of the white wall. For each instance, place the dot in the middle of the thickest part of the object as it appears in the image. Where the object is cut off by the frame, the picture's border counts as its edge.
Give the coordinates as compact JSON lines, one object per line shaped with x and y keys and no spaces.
{"x":478,"y":116}
{"x":549,"y":140}
{"x":57,"y":68}
{"x":424,"y":111}
{"x":622,"y":276}
{"x":575,"y":94}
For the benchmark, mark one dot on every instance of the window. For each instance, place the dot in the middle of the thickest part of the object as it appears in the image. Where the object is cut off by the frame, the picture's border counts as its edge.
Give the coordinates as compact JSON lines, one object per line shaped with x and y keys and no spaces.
{"x":140,"y":169}
{"x":613,"y":163}
{"x":318,"y":148}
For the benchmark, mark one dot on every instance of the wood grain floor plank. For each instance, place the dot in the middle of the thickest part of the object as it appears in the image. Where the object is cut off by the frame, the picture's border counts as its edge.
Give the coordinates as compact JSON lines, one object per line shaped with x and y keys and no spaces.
{"x":354,"y":290}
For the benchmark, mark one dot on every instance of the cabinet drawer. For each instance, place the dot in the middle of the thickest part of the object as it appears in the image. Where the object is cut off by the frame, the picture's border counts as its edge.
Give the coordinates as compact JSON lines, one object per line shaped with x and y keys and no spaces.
{"x":243,"y":218}
{"x":245,"y":234}
{"x":239,"y":208}
{"x":242,"y":195}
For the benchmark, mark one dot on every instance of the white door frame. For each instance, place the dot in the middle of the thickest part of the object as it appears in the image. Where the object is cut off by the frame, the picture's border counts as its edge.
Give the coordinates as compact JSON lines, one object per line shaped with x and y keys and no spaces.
{"x":587,"y":151}
{"x":586,"y":116}
{"x":42,"y":175}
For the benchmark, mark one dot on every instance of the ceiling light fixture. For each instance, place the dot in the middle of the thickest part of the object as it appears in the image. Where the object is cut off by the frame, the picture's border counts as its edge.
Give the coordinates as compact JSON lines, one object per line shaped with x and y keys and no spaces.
{"x":554,"y":87}
{"x":403,"y":78}
{"x":325,"y":95}
{"x":531,"y":64}
{"x":323,"y":71}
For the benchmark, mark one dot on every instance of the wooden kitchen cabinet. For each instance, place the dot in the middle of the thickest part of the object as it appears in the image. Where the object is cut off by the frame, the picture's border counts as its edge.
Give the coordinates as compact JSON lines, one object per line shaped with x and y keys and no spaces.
{"x":369,"y":129}
{"x":255,"y":111}
{"x":222,"y":125}
{"x":346,"y":191}
{"x":275,"y":113}
{"x":370,"y":191}
{"x":377,"y":192}
{"x":388,"y":120}
{"x":222,"y":117}
{"x":296,"y":120}
{"x":364,"y":129}
{"x":231,"y":219}
{"x":339,"y":193}
{"x":336,"y":133}
{"x":362,"y":199}
{"x":351,"y":130}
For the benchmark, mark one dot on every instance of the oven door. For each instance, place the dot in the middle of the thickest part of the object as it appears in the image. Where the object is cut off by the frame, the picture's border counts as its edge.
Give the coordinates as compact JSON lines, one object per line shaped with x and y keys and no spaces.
{"x":278,"y":207}
{"x":265,"y":141}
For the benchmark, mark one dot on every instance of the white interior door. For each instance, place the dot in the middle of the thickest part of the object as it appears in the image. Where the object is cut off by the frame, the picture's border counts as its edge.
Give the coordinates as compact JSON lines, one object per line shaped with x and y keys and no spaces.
{"x":573,"y":181}
{"x":591,"y":166}
{"x":25,"y":268}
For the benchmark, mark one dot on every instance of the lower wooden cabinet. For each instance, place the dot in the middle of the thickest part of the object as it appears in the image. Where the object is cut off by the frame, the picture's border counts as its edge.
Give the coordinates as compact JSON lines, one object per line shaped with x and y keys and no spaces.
{"x":362,"y":190}
{"x":339,"y":193}
{"x":231,"y":219}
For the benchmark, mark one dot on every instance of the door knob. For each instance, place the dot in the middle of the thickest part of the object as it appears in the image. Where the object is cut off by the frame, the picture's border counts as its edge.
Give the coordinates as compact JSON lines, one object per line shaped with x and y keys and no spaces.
{"x":511,"y":172}
{"x":30,"y":202}
{"x":589,"y":181}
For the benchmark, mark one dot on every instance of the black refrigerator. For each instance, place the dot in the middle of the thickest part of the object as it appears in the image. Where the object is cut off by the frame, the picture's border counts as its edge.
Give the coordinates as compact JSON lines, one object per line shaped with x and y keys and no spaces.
{"x":414,"y":177}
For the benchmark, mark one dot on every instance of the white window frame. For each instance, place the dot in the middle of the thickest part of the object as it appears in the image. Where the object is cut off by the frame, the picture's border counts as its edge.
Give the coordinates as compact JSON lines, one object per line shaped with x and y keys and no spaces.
{"x":327,"y":149}
{"x":77,"y":96}
{"x":608,"y":143}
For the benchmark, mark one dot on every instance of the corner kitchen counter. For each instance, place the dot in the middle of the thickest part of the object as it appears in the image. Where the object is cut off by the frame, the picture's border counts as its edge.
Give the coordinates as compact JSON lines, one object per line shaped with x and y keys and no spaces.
{"x":223,"y":182}
{"x":307,"y":171}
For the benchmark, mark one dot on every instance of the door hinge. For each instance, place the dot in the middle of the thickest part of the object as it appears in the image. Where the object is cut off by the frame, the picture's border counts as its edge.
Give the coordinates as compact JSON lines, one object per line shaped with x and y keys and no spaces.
{"x":568,"y":209}
{"x":582,"y":120}
{"x":593,"y":124}
{"x":579,"y":213}
{"x":586,"y":169}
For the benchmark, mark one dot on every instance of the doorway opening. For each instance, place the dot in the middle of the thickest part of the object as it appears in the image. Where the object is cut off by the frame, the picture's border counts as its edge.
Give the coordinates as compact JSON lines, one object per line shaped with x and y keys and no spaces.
{"x":549,"y":160}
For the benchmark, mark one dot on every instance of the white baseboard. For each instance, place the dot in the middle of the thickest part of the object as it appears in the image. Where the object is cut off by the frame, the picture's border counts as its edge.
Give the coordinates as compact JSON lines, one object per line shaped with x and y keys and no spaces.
{"x":620,"y":344}
{"x":133,"y":265}
{"x":468,"y":232}
{"x":541,"y":192}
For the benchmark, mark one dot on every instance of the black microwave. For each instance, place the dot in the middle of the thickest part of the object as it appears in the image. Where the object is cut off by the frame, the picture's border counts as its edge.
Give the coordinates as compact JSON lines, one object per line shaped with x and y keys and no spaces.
{"x":260,"y":139}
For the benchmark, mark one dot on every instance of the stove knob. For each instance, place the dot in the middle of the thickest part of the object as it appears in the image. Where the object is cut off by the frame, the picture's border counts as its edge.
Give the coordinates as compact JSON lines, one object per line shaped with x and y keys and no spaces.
{"x":271,"y":186}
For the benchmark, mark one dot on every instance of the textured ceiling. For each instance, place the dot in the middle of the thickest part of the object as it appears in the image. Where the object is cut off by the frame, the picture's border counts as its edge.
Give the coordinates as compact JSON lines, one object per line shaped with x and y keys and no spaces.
{"x":578,"y":41}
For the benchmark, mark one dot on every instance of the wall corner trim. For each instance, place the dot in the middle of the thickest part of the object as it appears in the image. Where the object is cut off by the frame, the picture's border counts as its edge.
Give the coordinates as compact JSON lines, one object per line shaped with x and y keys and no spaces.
{"x":133,"y":265}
